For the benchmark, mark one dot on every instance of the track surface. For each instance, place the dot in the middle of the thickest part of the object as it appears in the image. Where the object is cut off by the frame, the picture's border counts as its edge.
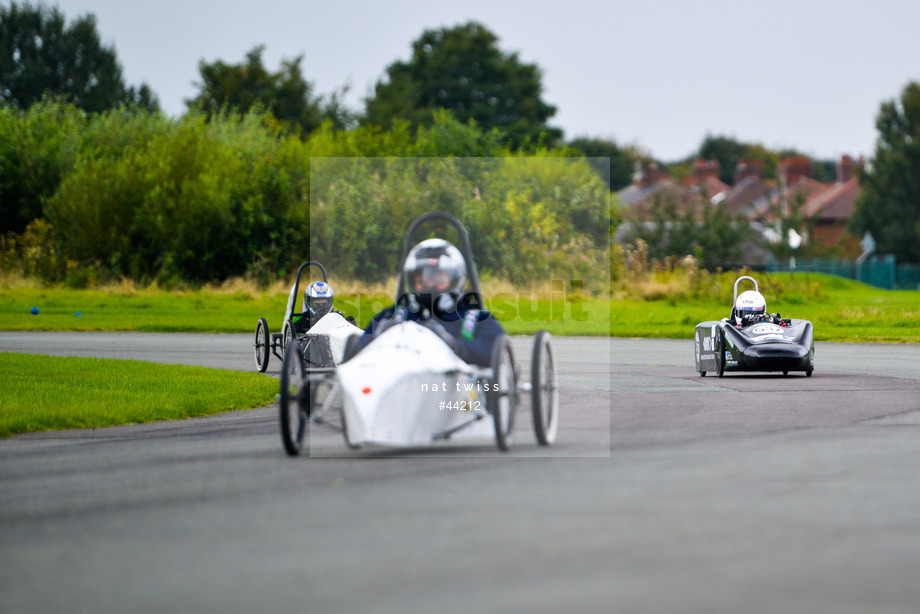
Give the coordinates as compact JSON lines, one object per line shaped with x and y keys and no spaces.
{"x":740,"y":494}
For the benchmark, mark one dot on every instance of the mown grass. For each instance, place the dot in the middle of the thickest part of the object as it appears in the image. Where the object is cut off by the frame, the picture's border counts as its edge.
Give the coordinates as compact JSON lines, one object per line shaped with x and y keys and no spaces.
{"x":237,"y":309}
{"x":41,"y":392}
{"x":841,"y":310}
{"x":51,"y":392}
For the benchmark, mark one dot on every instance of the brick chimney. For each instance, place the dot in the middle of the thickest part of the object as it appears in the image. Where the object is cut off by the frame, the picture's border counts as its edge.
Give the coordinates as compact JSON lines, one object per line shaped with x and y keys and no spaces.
{"x":705,"y":168}
{"x":846,"y":167}
{"x":649,"y":174}
{"x":748,"y":168}
{"x":792,"y":170}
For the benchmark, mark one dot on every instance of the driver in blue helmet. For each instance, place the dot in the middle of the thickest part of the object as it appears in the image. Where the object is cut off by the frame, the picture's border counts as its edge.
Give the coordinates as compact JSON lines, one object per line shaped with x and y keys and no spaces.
{"x":435,"y":273}
{"x":317,"y":302}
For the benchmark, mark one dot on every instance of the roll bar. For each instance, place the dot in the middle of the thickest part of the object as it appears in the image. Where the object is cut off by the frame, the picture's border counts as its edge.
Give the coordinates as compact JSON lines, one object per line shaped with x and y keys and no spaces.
{"x":300,"y":272}
{"x":465,"y":248}
{"x":739,"y":280}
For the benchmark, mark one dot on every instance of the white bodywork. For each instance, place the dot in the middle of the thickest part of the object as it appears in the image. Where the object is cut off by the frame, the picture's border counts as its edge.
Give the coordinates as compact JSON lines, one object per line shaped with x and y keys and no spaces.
{"x":338,"y":330}
{"x":289,"y":311}
{"x":402,"y":390}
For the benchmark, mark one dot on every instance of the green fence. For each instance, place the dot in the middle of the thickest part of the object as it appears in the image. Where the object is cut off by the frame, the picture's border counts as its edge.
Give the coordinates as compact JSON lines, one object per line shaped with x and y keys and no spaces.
{"x":879,"y":271}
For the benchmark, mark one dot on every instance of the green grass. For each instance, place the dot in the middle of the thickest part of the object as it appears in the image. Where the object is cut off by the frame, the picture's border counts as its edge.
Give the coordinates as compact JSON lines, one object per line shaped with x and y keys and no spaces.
{"x":154,"y":310}
{"x":41,"y":392}
{"x":51,"y":392}
{"x":841,"y":310}
{"x":150,"y":310}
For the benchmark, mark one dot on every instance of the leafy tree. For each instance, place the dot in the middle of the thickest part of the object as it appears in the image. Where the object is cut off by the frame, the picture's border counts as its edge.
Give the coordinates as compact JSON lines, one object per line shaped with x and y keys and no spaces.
{"x":726,"y":151}
{"x":38,"y":145}
{"x":786,"y":220}
{"x":190,"y":199}
{"x":286,"y":94}
{"x":40,"y":53}
{"x":619,"y":172}
{"x":889,"y":205}
{"x":462,"y":69}
{"x":712,"y":233}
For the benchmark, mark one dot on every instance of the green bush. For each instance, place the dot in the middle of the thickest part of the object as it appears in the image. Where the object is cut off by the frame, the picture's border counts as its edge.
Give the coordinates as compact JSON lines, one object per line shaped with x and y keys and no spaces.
{"x":197,"y":201}
{"x":530,"y":219}
{"x":130,"y":193}
{"x":37,"y":148}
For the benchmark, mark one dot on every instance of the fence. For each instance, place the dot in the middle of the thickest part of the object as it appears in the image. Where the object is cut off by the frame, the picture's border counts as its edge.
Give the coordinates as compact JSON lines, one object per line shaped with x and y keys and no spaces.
{"x":878,"y":271}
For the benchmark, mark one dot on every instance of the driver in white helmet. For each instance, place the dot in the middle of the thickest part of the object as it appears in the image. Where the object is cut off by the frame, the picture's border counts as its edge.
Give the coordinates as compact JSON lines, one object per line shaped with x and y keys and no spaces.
{"x":751,"y":308}
{"x":435,"y":274}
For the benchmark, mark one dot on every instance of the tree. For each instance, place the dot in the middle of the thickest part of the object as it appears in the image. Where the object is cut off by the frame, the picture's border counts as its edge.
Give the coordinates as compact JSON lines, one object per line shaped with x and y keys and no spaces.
{"x":462,"y":69}
{"x":786,"y":227}
{"x":41,"y":54}
{"x":728,"y":152}
{"x":711,"y":232}
{"x":889,"y":205}
{"x":285,"y":93}
{"x":619,"y":173}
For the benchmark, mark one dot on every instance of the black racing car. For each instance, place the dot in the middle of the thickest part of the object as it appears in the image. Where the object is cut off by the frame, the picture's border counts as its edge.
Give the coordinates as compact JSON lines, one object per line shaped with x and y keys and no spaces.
{"x":762,"y":342}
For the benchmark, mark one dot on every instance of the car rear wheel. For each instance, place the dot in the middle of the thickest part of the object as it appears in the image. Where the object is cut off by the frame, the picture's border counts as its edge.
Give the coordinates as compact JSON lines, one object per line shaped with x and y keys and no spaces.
{"x":262,"y":348}
{"x":287,"y":335}
{"x":294,"y":402}
{"x":544,"y":389}
{"x":720,"y":353}
{"x":502,"y":391}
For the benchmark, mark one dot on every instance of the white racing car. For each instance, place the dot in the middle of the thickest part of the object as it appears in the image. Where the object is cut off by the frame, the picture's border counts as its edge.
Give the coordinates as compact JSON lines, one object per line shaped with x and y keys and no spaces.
{"x":408,"y":388}
{"x":320,"y":345}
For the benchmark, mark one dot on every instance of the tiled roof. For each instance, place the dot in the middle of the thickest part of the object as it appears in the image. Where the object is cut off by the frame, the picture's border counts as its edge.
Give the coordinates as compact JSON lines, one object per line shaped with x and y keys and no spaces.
{"x":835,"y":203}
{"x":746,"y":193}
{"x":713,"y":186}
{"x":806,"y":186}
{"x":752,"y":195}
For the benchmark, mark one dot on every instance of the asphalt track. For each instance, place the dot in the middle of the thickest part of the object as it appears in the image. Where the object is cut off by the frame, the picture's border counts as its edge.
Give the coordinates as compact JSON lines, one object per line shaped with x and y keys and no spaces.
{"x":667,"y":492}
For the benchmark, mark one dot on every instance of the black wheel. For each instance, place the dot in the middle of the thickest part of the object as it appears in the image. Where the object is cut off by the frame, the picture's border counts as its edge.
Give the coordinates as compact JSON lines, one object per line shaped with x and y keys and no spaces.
{"x":544,"y":389}
{"x":808,"y":373}
{"x":702,"y":374}
{"x":295,"y":401}
{"x":720,"y":353}
{"x":287,"y":335}
{"x":785,"y":372}
{"x":262,"y":347}
{"x":502,"y":391}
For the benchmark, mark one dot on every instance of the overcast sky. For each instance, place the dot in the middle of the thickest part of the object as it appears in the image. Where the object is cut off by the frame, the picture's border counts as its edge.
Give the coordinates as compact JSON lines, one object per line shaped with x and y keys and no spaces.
{"x":808,"y":74}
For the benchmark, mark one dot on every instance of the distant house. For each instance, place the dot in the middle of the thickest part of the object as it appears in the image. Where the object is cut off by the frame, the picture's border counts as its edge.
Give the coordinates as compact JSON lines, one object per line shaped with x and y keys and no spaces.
{"x":825,"y":207}
{"x":651,"y":183}
{"x":831,"y":210}
{"x":750,"y":187}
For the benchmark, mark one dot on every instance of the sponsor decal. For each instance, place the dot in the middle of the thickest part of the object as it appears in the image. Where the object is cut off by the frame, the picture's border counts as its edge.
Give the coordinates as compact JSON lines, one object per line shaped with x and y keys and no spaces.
{"x":766,"y":329}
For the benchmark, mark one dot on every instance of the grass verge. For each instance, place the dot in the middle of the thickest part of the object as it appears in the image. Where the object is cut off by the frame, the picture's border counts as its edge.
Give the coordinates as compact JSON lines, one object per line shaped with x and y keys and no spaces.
{"x":51,"y":392}
{"x":840,"y":309}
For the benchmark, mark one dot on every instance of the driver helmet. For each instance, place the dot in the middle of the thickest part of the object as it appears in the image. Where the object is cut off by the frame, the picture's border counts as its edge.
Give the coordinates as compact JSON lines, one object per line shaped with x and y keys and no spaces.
{"x":749,"y":303}
{"x":435,"y":270}
{"x":317,"y":299}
